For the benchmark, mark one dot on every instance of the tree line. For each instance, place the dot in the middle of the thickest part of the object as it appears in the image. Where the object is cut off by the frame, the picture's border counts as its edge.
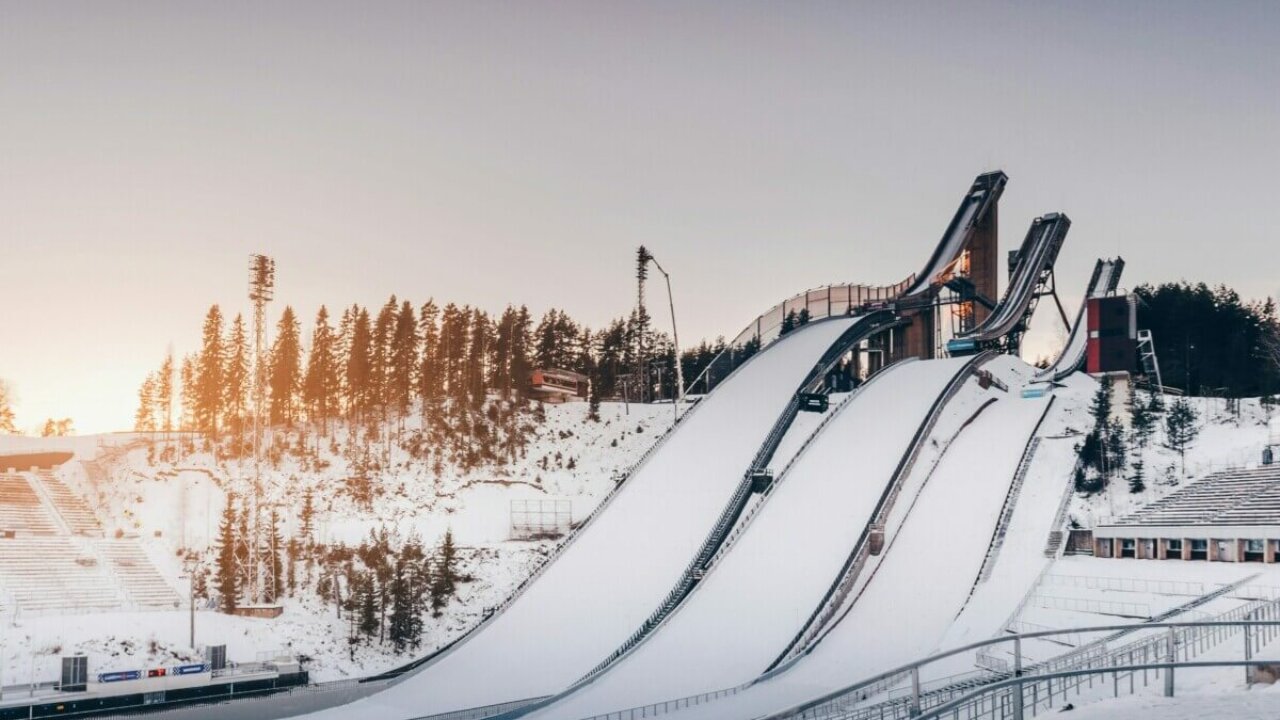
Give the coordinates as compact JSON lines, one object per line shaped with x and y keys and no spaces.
{"x":378,"y":367}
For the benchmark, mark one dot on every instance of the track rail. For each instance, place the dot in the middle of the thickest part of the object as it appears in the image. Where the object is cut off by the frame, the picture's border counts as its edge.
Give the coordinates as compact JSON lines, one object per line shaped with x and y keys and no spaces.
{"x":835,"y":596}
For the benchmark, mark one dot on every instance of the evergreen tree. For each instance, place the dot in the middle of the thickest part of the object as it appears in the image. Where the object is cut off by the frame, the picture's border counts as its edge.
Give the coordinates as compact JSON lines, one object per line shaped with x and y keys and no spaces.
{"x":286,"y":370}
{"x":144,"y":418}
{"x":1180,"y":430}
{"x":210,"y":369}
{"x":358,"y":370}
{"x":521,"y":367}
{"x":407,"y":591}
{"x":8,"y":426}
{"x":1142,"y":421}
{"x":444,"y":582}
{"x":321,"y":384}
{"x":430,"y":372}
{"x":307,"y":516}
{"x":404,"y":360}
{"x":227,"y":577}
{"x":188,"y":393}
{"x":1138,"y":481}
{"x":239,"y":377}
{"x":164,"y":393}
{"x":274,"y":551}
{"x":477,"y":357}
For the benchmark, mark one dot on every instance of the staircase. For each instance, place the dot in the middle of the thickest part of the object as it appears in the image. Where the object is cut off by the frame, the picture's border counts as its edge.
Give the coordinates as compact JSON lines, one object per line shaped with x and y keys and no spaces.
{"x":74,"y":511}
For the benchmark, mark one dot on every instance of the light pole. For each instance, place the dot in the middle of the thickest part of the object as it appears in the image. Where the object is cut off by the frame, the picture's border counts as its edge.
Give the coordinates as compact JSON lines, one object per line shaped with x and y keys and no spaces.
{"x":675,"y":339}
{"x":192,"y":568}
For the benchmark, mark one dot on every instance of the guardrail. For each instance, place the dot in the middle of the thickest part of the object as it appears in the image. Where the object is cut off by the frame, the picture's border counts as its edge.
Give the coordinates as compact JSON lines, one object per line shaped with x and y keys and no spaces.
{"x":970,"y":699}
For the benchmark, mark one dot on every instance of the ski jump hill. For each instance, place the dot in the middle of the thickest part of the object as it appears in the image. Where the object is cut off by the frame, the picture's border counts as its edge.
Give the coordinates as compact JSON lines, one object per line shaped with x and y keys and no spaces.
{"x":760,"y":555}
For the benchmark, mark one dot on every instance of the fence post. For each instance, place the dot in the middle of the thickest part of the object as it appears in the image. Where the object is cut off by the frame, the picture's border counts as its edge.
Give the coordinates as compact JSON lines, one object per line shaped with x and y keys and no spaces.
{"x":1017,"y":674}
{"x":1169,"y":658}
{"x":915,"y":691}
{"x":1248,"y":649}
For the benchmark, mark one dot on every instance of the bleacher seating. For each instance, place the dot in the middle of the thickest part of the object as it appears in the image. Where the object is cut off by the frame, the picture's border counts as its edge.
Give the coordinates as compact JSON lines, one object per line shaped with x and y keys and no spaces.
{"x":21,"y":510}
{"x":54,"y":573}
{"x":143,"y":584}
{"x":49,"y":564}
{"x":74,"y":510}
{"x":1233,"y":497}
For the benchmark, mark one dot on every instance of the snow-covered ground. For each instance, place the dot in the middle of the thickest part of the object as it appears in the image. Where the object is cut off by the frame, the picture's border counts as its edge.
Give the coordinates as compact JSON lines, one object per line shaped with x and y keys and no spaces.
{"x":621,"y":566}
{"x":172,"y":507}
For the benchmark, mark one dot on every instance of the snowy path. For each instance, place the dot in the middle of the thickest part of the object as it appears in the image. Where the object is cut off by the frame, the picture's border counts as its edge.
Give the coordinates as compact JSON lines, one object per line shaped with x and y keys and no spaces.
{"x":751,"y":605}
{"x":604,"y":585}
{"x":925,"y":576}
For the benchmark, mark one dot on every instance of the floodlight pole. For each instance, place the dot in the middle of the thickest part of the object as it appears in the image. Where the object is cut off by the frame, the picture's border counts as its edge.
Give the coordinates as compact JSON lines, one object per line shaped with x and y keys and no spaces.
{"x":675,"y":339}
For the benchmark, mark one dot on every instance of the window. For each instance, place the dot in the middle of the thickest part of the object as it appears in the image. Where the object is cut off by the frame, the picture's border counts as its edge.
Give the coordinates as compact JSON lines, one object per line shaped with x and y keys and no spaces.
{"x":1253,"y":546}
{"x":1174,"y":546}
{"x":1199,"y":544}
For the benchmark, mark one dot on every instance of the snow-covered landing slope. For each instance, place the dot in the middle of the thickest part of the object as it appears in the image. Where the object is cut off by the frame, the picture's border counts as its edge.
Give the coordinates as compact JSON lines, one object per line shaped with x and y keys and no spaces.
{"x":609,"y":580}
{"x":758,"y":597}
{"x":927,"y":568}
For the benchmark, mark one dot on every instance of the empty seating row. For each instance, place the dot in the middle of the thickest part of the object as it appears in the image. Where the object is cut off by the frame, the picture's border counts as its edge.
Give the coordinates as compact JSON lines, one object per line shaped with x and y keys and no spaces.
{"x":1234,"y":497}
{"x":54,"y":573}
{"x":21,"y":509}
{"x":143,"y":583}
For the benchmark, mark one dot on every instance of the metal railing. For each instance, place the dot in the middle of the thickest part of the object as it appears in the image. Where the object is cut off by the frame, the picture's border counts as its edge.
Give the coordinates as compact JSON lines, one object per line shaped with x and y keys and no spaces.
{"x":987,"y":698}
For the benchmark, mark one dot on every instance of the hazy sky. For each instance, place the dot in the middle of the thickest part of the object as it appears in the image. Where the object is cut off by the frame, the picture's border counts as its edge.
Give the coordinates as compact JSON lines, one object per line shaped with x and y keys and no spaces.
{"x":488,"y":153}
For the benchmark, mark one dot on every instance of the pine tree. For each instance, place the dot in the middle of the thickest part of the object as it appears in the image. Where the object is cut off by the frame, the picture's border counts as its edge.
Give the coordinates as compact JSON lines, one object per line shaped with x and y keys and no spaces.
{"x":444,"y":584}
{"x":227,"y":570}
{"x":1142,"y":421}
{"x":188,"y":393}
{"x":274,"y":552}
{"x":164,"y":393}
{"x":1180,"y":430}
{"x":520,"y":365}
{"x":404,"y":360}
{"x":210,"y":369}
{"x":239,"y":377}
{"x":358,"y":371}
{"x":286,"y":370}
{"x":477,"y":357}
{"x":8,"y":426}
{"x":144,"y":418}
{"x":321,"y":385}
{"x":1137,"y":481}
{"x":430,"y":375}
{"x":307,"y":516}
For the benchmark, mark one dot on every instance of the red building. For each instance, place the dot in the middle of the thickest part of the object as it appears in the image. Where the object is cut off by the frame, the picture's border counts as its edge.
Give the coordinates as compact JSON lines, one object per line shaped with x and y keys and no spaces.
{"x":1113,"y":335}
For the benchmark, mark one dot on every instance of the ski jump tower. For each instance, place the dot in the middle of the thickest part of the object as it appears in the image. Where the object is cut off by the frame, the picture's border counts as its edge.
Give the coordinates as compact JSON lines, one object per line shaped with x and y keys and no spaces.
{"x":966,"y":262}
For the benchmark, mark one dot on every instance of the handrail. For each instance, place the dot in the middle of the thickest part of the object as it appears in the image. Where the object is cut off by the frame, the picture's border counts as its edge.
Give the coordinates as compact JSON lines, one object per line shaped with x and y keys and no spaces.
{"x":1072,"y":658}
{"x":840,"y":587}
{"x":800,"y":711}
{"x":762,"y":328}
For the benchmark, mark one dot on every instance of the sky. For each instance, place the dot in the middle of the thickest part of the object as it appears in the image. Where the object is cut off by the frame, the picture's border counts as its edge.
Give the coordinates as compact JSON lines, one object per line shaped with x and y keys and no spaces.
{"x":494,"y":153}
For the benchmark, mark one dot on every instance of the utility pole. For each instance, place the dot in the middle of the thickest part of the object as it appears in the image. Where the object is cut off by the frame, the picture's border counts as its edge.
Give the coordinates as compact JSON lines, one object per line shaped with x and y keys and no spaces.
{"x":262,"y":283}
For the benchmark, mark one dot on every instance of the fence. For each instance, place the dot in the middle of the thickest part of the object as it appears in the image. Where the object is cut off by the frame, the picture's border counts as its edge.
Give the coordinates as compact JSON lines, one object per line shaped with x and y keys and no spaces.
{"x":1005,"y":695}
